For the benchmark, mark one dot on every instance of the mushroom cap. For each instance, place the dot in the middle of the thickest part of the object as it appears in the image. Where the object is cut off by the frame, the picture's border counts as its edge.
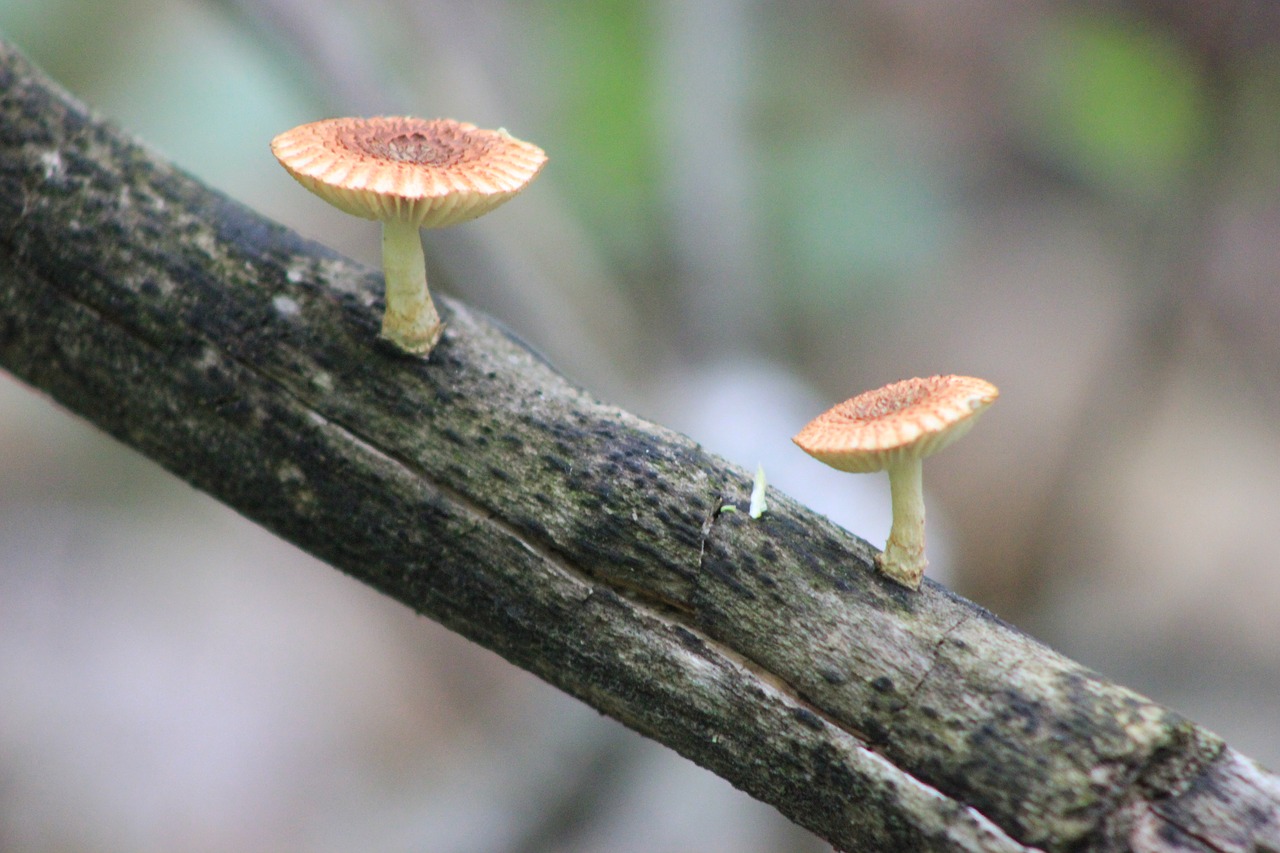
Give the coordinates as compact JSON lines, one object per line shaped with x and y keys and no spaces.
{"x":429,"y":172}
{"x":904,"y":420}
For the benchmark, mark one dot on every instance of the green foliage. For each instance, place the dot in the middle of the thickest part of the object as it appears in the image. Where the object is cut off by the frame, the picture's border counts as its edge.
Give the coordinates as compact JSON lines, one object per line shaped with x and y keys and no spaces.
{"x":1122,"y":106}
{"x":858,"y":207}
{"x":600,"y":55}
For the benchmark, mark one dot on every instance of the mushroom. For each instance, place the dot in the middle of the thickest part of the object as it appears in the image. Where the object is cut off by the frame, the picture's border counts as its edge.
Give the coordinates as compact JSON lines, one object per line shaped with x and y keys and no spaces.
{"x":409,"y":173}
{"x":894,"y":428}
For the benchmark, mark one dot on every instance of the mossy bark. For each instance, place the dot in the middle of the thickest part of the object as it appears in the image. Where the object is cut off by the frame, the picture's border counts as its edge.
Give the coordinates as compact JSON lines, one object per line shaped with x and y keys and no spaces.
{"x":482,"y":489}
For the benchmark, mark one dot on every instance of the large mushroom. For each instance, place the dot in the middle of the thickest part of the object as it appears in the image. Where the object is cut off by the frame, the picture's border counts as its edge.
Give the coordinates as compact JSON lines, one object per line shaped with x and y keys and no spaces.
{"x":408,"y":173}
{"x":894,"y":428}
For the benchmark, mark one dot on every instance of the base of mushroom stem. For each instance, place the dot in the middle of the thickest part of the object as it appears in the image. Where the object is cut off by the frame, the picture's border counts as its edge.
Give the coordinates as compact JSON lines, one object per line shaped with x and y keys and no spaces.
{"x":906,"y":572}
{"x":417,"y":341}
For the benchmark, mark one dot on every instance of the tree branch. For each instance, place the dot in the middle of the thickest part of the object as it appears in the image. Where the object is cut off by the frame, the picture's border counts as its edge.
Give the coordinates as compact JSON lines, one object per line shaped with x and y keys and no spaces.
{"x":485,"y":491}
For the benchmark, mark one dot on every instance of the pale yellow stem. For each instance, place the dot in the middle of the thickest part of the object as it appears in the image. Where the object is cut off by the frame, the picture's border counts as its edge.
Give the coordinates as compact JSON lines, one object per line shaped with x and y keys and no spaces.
{"x":903,"y":558}
{"x":411,"y":321}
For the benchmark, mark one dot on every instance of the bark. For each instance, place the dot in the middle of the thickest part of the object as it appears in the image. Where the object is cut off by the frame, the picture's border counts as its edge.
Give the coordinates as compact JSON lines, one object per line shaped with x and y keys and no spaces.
{"x":580,"y":542}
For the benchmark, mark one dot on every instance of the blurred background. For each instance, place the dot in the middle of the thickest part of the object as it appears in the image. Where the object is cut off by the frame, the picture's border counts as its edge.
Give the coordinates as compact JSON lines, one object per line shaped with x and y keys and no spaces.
{"x":756,"y":209}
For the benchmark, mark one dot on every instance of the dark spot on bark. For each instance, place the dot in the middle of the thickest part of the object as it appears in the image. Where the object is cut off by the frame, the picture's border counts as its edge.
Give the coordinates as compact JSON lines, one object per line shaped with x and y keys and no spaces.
{"x":237,"y":410}
{"x":1016,"y":712}
{"x":882,"y":684}
{"x":807,"y":718}
{"x":832,"y":676}
{"x":556,"y":463}
{"x":723,"y":572}
{"x":690,"y":640}
{"x":452,"y":436}
{"x":876,"y":731}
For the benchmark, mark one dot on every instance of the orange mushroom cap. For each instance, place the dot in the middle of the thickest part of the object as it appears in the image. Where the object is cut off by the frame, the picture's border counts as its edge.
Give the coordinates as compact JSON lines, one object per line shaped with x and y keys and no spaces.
{"x":910,"y":419}
{"x":429,"y":172}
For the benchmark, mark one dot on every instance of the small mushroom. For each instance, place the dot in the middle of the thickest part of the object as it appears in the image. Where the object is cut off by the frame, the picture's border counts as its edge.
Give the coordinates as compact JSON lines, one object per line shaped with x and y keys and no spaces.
{"x":894,"y":428}
{"x":408,"y":173}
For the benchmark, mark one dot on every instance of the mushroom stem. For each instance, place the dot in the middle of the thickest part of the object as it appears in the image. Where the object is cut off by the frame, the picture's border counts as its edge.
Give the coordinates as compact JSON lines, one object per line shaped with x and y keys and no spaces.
{"x":411,"y":321}
{"x":903,"y":558}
